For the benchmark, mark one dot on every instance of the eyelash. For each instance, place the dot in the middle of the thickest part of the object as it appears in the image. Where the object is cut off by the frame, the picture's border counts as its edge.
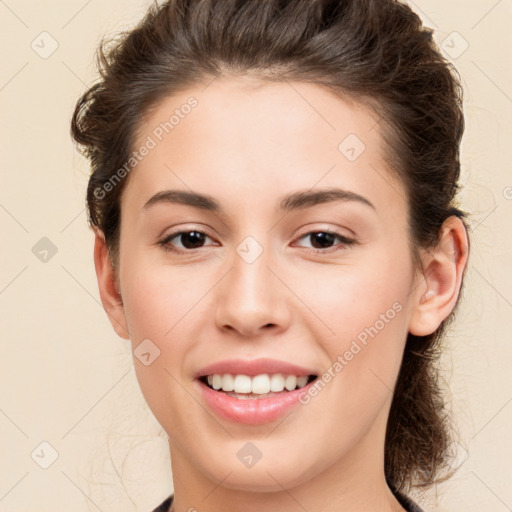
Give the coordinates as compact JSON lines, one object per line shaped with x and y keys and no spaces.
{"x":166,"y":245}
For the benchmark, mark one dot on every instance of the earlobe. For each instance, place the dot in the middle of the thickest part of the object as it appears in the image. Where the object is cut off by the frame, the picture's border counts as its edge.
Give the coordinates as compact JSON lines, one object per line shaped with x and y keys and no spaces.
{"x":443,"y":270}
{"x":108,"y":286}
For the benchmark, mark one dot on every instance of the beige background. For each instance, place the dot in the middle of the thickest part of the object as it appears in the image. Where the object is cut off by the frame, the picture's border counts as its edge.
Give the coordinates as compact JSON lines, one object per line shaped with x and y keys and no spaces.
{"x":67,"y":380}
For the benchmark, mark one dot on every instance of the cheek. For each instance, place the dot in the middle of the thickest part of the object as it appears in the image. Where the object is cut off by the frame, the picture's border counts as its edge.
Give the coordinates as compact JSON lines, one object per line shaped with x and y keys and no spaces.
{"x":157,"y":299}
{"x":154,"y":306}
{"x":157,"y":306}
{"x":365,"y":309}
{"x":351,"y":298}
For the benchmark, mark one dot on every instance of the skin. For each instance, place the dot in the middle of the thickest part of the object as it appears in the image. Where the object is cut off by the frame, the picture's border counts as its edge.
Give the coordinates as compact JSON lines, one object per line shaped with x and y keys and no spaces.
{"x":247,"y":144}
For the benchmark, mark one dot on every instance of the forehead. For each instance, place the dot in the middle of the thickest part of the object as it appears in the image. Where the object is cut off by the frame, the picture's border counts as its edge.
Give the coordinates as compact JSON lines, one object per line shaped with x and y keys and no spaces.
{"x":260,"y":137}
{"x":249,"y":110}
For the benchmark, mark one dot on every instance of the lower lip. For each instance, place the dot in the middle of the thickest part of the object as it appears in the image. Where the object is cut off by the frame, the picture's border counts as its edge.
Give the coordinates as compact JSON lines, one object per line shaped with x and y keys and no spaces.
{"x":256,"y":411}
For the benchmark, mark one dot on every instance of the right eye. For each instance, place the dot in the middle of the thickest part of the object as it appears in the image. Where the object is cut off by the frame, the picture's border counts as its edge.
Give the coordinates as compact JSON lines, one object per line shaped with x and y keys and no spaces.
{"x":190,"y":240}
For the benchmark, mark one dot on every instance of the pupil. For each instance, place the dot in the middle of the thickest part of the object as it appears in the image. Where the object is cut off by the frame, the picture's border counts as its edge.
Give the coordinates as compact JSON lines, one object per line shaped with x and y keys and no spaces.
{"x":191,"y":235}
{"x":325,"y":239}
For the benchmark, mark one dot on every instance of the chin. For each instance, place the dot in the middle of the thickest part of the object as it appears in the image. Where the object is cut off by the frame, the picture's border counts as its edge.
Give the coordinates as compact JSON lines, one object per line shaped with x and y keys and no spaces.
{"x":264,"y":476}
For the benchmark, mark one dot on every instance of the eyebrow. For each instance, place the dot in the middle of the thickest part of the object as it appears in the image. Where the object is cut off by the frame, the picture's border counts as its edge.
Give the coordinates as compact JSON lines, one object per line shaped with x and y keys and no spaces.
{"x":296,"y":201}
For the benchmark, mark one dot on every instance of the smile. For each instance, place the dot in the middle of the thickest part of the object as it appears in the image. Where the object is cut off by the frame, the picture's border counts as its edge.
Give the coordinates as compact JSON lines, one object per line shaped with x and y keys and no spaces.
{"x":253,"y":408}
{"x":261,"y":386}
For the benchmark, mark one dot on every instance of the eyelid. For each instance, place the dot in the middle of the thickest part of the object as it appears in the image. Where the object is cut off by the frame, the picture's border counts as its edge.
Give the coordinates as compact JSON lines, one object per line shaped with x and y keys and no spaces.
{"x":323,"y":228}
{"x":346,"y":241}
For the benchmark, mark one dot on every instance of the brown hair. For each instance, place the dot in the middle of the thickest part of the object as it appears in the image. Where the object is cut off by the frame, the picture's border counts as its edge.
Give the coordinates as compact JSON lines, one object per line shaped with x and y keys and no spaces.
{"x":376,"y":52}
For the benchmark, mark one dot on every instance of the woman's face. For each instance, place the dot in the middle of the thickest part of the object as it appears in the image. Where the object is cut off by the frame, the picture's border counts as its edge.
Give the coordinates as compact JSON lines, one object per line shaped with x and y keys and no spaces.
{"x":267,"y":280}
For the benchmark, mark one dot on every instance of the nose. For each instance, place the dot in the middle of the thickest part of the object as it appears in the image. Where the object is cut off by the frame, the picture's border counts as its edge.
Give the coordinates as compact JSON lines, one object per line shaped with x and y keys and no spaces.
{"x":251,"y":299}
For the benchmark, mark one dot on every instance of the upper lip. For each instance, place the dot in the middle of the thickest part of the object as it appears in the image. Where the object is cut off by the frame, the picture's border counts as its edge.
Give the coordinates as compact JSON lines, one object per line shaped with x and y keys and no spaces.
{"x":253,"y":367}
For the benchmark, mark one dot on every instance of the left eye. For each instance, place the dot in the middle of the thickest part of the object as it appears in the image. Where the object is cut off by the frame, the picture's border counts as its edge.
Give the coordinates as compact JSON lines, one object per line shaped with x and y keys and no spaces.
{"x":325,"y":238}
{"x":193,"y":239}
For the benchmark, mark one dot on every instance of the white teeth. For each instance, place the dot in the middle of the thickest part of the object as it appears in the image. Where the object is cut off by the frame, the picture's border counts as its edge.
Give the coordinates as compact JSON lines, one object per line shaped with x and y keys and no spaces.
{"x":302,"y":381}
{"x":228,"y":382}
{"x":217,"y":381}
{"x":290,"y":383}
{"x":277,"y":382}
{"x":243,"y":384}
{"x":259,"y":384}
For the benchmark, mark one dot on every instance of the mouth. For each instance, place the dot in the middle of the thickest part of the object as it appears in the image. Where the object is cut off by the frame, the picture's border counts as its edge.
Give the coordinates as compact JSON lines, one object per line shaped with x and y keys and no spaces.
{"x":254,"y":391}
{"x":256,"y":399}
{"x":258,"y":387}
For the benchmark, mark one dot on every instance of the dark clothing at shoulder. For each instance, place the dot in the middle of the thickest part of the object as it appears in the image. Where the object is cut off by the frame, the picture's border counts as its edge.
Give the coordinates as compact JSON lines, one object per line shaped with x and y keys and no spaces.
{"x":406,"y":502}
{"x":164,"y":507}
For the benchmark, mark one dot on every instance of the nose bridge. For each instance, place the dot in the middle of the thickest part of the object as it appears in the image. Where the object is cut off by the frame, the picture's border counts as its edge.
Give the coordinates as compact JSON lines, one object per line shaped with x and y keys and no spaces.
{"x":251,"y":296}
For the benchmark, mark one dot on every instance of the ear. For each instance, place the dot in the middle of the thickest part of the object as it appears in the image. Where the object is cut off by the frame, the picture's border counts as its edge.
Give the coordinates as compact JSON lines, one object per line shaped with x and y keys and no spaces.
{"x":108,"y":286}
{"x":436,"y":294}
